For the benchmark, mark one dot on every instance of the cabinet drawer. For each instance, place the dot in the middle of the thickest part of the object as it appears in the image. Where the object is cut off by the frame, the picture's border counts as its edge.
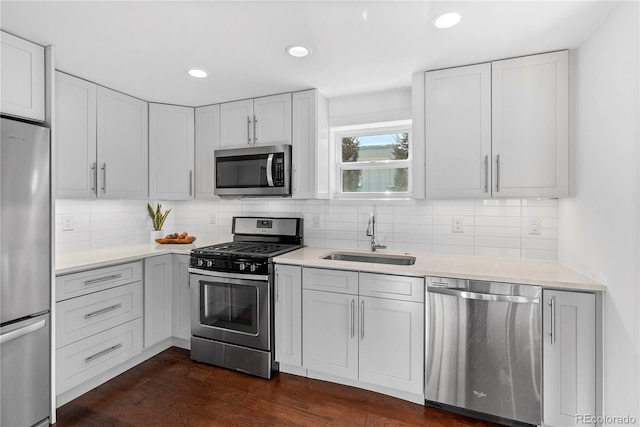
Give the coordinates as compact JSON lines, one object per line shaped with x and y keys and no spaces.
{"x":392,"y":287}
{"x":341,"y":281}
{"x":87,"y":358}
{"x":81,"y":317}
{"x":85,"y":282}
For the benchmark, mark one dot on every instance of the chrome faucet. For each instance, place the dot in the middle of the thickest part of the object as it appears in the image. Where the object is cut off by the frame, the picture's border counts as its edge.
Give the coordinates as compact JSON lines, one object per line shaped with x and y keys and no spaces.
{"x":371,"y":231}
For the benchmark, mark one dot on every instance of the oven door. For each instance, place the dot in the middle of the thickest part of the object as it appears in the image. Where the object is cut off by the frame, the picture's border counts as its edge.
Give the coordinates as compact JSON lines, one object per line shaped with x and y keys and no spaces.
{"x":255,"y":171}
{"x":231,"y":309}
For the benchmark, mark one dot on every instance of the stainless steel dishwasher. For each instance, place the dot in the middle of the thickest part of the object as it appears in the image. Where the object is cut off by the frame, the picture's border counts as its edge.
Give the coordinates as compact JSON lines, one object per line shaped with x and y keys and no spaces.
{"x":483,"y":349}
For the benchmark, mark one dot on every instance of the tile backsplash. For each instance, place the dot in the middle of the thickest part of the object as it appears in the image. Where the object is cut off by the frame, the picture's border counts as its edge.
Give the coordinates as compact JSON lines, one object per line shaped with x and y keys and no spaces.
{"x":499,"y":228}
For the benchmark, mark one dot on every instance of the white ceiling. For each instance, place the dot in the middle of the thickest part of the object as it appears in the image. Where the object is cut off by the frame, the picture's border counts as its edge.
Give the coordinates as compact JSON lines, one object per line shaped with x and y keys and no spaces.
{"x":144,"y":48}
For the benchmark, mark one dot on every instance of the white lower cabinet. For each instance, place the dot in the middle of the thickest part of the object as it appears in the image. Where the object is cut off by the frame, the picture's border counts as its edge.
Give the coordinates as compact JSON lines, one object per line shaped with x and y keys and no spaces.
{"x":288,"y":315}
{"x":158,"y":299}
{"x":181,"y":297}
{"x":98,"y":322}
{"x":391,"y":344}
{"x":375,"y":340}
{"x":569,"y":357}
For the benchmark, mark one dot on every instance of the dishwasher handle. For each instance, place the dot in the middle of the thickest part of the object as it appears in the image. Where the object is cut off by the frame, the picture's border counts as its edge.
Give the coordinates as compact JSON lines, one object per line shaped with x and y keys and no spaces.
{"x":480,"y":296}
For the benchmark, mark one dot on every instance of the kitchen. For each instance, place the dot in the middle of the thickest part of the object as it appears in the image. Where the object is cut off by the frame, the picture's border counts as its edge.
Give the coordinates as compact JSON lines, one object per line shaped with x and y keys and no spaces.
{"x":578,"y":231}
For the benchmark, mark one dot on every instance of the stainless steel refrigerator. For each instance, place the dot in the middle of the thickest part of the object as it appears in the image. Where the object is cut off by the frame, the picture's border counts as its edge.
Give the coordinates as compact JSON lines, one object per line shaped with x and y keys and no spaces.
{"x":25,"y":273}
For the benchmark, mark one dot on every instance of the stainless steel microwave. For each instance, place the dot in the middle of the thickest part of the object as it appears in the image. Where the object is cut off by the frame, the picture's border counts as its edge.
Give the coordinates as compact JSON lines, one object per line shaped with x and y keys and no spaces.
{"x":253,"y":172}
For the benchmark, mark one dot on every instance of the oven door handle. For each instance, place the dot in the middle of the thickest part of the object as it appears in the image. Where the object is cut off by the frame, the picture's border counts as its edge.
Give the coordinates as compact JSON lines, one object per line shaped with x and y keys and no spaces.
{"x":228,"y":277}
{"x":270,"y":170}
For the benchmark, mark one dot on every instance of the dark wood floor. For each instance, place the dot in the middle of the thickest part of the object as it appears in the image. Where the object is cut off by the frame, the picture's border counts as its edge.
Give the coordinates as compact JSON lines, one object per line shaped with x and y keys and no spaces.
{"x":171,"y":390}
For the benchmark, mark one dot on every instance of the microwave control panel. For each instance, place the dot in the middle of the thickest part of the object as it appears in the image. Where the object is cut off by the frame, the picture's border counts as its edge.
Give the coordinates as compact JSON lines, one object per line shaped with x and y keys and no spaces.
{"x":278,"y":170}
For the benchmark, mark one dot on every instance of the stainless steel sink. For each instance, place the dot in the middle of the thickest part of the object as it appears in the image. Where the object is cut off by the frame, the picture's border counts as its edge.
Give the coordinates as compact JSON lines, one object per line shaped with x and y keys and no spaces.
{"x":371,"y":258}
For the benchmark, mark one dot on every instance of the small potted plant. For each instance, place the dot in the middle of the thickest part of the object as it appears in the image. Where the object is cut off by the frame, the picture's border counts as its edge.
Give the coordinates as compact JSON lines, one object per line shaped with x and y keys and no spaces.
{"x":157,"y":218}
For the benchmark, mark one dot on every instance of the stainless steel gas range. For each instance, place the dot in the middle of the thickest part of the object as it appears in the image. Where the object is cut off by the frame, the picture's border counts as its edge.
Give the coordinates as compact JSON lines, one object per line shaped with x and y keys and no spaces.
{"x":232,"y":304}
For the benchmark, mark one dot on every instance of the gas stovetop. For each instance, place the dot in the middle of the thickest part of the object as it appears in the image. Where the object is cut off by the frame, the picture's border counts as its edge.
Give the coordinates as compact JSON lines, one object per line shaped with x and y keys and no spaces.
{"x":256,"y":249}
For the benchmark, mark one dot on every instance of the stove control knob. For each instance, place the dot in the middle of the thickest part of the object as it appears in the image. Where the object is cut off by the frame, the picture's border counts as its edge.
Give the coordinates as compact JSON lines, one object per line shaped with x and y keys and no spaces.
{"x":242,"y":266}
{"x":253,"y":267}
{"x":209,"y":263}
{"x":200,"y":262}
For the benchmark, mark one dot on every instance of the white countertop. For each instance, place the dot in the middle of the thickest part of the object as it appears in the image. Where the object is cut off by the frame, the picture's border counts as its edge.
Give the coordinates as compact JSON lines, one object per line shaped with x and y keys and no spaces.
{"x":548,"y":274}
{"x":93,"y":258}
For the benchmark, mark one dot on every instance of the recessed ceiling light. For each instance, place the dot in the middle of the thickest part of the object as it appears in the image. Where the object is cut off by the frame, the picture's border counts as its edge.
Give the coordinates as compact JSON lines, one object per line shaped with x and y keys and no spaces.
{"x":298,"y":51}
{"x":195,"y":72}
{"x":447,"y":20}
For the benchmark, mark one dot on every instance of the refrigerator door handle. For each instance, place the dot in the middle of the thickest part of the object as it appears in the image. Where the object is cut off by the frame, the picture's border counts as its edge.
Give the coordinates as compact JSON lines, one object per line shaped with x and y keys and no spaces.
{"x":10,"y":336}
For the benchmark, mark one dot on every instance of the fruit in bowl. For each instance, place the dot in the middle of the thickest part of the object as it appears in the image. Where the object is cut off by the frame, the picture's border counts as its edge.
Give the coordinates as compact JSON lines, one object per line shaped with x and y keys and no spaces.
{"x":183,"y":237}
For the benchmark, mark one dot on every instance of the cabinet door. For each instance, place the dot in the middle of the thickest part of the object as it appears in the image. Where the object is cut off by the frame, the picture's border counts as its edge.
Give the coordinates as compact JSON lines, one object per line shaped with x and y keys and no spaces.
{"x":330,"y":333}
{"x":158,"y":292}
{"x":75,"y":129}
{"x":207,"y":141}
{"x":171,"y":152}
{"x":22,"y":78}
{"x":122,"y":146}
{"x":272,"y":120}
{"x":530,"y":126}
{"x":288,"y":315}
{"x":458,"y":132}
{"x":392,"y":344}
{"x":236,"y":124}
{"x":569,"y":349}
{"x":181,"y":297}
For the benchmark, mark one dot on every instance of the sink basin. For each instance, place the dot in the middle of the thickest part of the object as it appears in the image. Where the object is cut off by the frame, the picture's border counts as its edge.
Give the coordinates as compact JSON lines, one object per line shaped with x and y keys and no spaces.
{"x":371,"y":258}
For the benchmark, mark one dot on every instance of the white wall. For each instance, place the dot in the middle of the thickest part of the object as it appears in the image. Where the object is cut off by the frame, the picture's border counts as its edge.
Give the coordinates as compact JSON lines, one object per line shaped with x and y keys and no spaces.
{"x":599,"y":228}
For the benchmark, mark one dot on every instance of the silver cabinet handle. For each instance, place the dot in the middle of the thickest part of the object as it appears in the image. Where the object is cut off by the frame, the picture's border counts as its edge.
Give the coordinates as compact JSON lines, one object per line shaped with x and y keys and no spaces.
{"x":190,"y":183}
{"x":498,"y":173}
{"x":102,"y":279}
{"x":486,"y":174}
{"x":255,"y":131}
{"x":94,"y":178}
{"x":482,"y":296}
{"x":10,"y":336}
{"x":248,"y":130}
{"x":104,"y":177}
{"x":552,"y":331}
{"x":362,"y":317}
{"x":353,"y":317}
{"x":102,"y":353}
{"x":102,"y":311}
{"x":270,"y":170}
{"x":277,"y":285}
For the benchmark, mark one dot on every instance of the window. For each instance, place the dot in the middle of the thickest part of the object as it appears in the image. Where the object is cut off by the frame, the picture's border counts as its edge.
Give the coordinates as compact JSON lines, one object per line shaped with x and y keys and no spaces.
{"x":373,"y":160}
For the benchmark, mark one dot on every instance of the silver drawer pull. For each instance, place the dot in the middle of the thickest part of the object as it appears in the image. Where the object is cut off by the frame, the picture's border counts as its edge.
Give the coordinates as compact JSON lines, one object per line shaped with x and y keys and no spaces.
{"x":102,"y":311}
{"x":102,"y":279}
{"x":102,"y":353}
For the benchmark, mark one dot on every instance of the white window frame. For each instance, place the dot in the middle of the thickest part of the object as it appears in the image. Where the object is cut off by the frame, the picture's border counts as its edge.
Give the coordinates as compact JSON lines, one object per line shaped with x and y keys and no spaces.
{"x":390,"y":127}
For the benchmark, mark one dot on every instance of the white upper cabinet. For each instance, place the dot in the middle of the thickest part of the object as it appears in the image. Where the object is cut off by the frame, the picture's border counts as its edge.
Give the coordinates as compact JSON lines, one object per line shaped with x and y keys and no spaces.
{"x":101,"y":142}
{"x":272,"y":120}
{"x":499,"y":129}
{"x":458,"y":132}
{"x":22,"y":78}
{"x":207,"y":141}
{"x":310,"y":145}
{"x":260,"y":121}
{"x":122,"y":146}
{"x":75,"y":129}
{"x":171,"y":152}
{"x":530,"y":125}
{"x":236,"y":124}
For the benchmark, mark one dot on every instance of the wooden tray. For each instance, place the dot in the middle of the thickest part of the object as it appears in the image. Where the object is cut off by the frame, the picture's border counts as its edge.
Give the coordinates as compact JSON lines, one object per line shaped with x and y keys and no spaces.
{"x":163,"y":241}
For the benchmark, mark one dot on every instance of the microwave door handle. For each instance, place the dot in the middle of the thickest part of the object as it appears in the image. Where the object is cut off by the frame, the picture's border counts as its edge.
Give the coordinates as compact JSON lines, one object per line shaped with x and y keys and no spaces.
{"x":270,"y":170}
